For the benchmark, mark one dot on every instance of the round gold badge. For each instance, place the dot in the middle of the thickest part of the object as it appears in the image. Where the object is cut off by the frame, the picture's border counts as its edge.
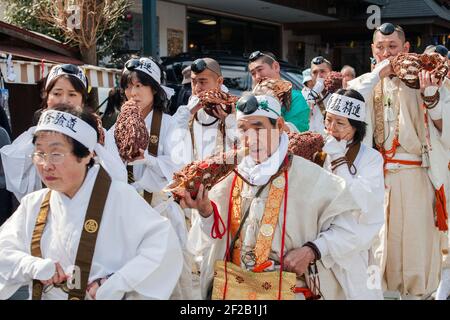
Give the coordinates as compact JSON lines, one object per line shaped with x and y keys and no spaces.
{"x":91,"y":226}
{"x":266,"y":230}
{"x":279,"y":182}
{"x":154,"y":139}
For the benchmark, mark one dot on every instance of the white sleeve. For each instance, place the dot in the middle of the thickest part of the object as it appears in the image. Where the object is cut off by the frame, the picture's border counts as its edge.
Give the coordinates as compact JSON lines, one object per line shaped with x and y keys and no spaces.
{"x":338,"y":240}
{"x":182,"y":117}
{"x":159,"y":170}
{"x":436,"y":112}
{"x":365,"y":84}
{"x":199,"y":237}
{"x":338,"y":237}
{"x":17,"y":266}
{"x":20,"y":174}
{"x":231,"y":133}
{"x":305,"y":92}
{"x":154,"y":272}
{"x":367,"y":189}
{"x":206,"y":224}
{"x":110,"y":142}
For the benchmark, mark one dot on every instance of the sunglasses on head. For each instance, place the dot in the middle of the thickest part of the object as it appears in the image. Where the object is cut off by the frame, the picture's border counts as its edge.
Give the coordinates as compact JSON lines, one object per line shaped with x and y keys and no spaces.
{"x":247,"y":104}
{"x":73,"y":69}
{"x":200,"y":65}
{"x":388,"y":28}
{"x":443,"y":51}
{"x":258,"y":54}
{"x":70,"y":68}
{"x":320,"y":60}
{"x":132,"y":64}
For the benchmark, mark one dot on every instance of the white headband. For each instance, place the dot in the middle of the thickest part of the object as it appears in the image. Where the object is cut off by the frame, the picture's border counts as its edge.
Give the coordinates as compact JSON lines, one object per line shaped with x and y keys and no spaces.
{"x":70,"y":125}
{"x":149,"y":67}
{"x":76,"y":128}
{"x":268,"y":107}
{"x":346,"y":107}
{"x":57,"y":70}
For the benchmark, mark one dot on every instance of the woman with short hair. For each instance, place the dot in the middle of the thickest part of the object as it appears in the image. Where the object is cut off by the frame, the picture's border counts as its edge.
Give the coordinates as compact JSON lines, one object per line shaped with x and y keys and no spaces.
{"x":153,"y":169}
{"x":65,"y":83}
{"x":359,"y":165}
{"x":76,"y":239}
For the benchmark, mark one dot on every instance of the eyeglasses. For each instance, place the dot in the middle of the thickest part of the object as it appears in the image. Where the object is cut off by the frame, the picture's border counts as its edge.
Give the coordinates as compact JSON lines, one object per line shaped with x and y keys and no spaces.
{"x":319,"y":60}
{"x":258,"y":54}
{"x":388,"y":28}
{"x":443,"y":51}
{"x":40,"y":158}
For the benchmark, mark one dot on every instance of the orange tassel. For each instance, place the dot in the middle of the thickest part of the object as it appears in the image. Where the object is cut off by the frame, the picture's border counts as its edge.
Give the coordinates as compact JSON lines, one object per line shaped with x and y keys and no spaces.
{"x":441,"y":210}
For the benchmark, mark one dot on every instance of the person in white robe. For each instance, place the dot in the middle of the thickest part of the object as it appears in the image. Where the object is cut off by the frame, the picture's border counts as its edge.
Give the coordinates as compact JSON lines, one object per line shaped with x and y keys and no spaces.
{"x":359,"y":165}
{"x":413,"y":136}
{"x":65,"y":84}
{"x":320,"y":221}
{"x":320,"y":69}
{"x":141,"y":83}
{"x":136,"y":255}
{"x":207,"y":139}
{"x":203,"y":137}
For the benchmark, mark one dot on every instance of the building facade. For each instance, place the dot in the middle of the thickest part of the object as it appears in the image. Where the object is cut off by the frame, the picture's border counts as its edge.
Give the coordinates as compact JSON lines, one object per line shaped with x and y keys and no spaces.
{"x":294,"y":30}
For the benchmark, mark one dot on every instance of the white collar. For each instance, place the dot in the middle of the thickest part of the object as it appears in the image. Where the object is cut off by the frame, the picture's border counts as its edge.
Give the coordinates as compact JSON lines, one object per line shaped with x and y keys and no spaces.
{"x":259,"y":174}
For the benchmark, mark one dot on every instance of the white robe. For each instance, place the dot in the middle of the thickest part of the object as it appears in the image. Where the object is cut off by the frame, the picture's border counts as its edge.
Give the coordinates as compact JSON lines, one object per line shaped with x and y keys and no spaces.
{"x":134,"y":243}
{"x":153,"y":174}
{"x":205,"y":145}
{"x":320,"y":209}
{"x":205,"y":137}
{"x":367,"y":189}
{"x":409,"y":258}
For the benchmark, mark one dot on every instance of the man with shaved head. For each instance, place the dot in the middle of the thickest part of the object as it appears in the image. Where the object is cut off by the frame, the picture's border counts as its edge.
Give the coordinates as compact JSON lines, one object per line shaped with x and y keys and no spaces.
{"x":416,"y":163}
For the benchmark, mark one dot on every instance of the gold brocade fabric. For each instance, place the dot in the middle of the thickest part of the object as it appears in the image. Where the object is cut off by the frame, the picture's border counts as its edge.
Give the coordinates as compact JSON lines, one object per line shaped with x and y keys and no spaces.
{"x":247,"y":285}
{"x":236,"y":220}
{"x":269,"y":220}
{"x":379,"y":115}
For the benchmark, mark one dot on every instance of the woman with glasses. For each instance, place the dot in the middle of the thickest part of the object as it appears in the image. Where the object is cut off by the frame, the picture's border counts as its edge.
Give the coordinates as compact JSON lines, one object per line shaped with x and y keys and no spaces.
{"x":76,"y":239}
{"x":359,"y":165}
{"x":65,"y":84}
{"x":153,"y":169}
